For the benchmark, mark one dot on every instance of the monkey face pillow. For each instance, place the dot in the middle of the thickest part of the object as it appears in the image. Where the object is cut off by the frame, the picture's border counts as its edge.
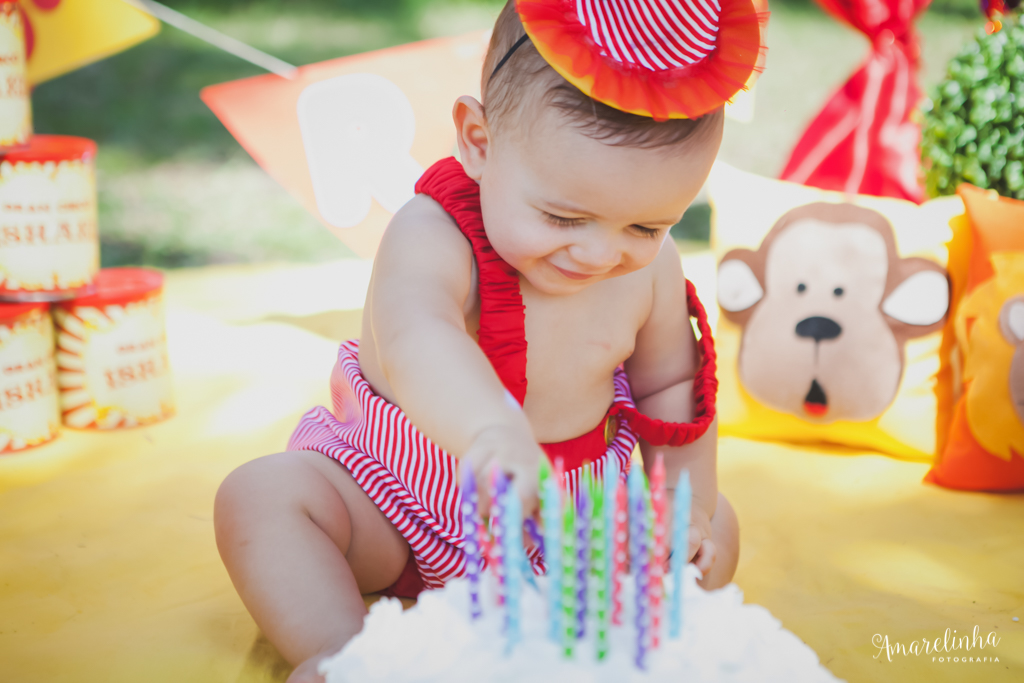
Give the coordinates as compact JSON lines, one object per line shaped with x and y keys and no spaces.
{"x":981,"y":384}
{"x":831,"y":312}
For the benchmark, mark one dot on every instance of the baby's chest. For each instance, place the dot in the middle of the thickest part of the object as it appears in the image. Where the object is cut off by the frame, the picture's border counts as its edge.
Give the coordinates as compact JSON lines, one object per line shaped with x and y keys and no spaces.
{"x":590,"y":336}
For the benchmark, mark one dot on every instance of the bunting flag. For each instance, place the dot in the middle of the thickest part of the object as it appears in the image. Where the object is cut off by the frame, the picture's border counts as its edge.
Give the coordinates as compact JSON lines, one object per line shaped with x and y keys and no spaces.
{"x":349,"y":137}
{"x":64,"y":35}
{"x":863,"y":141}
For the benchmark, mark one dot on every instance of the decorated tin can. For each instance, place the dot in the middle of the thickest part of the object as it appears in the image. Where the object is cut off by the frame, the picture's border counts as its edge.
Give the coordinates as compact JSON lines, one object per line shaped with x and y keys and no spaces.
{"x":112,"y":366}
{"x":29,"y":413}
{"x":49,"y":246}
{"x":15,"y":105}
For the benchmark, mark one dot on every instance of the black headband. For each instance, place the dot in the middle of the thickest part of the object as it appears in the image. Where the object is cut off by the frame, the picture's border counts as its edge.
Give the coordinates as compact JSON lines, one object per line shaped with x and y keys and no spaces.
{"x":508,"y":54}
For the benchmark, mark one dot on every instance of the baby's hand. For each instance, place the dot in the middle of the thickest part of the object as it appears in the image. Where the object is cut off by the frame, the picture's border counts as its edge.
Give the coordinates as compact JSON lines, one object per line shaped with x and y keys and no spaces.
{"x":514,"y":451}
{"x":702,"y":549}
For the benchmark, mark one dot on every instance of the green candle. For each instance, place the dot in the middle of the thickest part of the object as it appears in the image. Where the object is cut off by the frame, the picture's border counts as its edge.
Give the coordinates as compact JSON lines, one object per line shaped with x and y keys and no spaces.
{"x":568,"y":575}
{"x":599,"y":567}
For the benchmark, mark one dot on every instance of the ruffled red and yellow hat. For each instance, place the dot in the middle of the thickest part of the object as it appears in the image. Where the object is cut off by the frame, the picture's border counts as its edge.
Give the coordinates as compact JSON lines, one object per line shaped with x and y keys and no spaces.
{"x":667,"y":59}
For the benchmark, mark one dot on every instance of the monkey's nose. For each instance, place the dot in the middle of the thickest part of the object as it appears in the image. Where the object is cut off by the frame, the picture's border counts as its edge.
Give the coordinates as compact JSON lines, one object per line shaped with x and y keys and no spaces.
{"x":818,"y":328}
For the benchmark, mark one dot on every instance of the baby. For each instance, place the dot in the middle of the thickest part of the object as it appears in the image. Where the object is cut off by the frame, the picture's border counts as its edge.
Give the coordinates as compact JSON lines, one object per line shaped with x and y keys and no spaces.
{"x":551,"y":236}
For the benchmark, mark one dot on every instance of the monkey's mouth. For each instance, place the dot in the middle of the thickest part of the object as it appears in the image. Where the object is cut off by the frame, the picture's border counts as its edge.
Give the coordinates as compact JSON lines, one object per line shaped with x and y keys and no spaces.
{"x":816,"y":403}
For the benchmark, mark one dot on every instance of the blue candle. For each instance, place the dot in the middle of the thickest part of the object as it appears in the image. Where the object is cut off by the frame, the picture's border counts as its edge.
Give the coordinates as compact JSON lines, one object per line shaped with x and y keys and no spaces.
{"x":680,"y":550}
{"x":611,"y":481}
{"x":470,"y":536}
{"x":498,"y":529}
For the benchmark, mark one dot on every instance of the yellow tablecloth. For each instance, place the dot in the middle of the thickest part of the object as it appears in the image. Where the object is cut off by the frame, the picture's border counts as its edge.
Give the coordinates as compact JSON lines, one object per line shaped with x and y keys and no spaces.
{"x":109,"y":572}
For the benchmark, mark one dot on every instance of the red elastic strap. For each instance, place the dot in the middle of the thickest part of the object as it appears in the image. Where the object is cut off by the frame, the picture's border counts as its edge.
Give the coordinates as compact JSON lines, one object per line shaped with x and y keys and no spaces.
{"x":705,"y":387}
{"x":502,"y":333}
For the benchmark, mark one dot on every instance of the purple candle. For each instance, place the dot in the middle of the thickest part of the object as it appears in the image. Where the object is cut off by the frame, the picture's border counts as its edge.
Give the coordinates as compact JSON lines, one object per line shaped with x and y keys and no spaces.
{"x":640,"y":559}
{"x":470,"y":545}
{"x":582,"y":552}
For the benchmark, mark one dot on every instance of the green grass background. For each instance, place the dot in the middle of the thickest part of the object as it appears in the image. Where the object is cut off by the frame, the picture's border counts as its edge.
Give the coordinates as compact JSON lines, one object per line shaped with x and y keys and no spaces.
{"x":177,"y":190}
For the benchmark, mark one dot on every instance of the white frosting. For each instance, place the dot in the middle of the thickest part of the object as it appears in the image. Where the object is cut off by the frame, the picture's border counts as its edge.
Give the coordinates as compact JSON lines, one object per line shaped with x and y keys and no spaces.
{"x":723,"y":640}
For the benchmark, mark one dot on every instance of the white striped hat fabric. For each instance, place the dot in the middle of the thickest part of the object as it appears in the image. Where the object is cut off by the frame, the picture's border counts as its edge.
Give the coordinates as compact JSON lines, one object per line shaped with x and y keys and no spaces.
{"x":658,"y":35}
{"x":658,"y":58}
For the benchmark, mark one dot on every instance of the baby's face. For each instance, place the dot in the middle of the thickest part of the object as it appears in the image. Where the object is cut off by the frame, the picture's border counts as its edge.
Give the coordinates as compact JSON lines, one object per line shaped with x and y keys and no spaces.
{"x":567,"y":211}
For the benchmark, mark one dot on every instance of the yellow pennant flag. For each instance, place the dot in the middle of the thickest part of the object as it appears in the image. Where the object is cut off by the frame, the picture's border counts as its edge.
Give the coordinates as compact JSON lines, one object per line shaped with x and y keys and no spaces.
{"x":64,"y":35}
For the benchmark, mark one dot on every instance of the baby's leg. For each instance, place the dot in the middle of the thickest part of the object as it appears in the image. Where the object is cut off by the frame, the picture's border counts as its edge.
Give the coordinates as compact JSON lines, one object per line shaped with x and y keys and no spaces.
{"x":301,"y":542}
{"x":725,"y":532}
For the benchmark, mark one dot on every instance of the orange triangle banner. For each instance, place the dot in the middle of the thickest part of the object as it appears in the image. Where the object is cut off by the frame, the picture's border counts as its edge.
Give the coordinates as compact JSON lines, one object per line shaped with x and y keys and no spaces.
{"x":349,"y":137}
{"x":64,"y":35}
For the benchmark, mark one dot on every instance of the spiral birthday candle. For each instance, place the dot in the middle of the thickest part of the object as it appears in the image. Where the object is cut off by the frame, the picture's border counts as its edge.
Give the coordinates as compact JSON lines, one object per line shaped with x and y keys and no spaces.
{"x":611,"y":477}
{"x":680,"y":550}
{"x":599,"y":564}
{"x":582,"y":544}
{"x":658,"y":560}
{"x":470,"y":534}
{"x":568,"y":577}
{"x":499,"y":486}
{"x":619,"y":548}
{"x":512,"y":536}
{"x":551,"y":508}
{"x":640,"y":559}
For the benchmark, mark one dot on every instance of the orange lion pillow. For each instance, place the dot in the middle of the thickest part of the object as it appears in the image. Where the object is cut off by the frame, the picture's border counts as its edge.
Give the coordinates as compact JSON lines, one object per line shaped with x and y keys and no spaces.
{"x":832,"y":308}
{"x":981,"y":387}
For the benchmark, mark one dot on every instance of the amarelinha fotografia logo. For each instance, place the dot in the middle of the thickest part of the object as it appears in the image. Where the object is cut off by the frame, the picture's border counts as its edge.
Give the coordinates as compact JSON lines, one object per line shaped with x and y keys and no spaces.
{"x":950,"y":647}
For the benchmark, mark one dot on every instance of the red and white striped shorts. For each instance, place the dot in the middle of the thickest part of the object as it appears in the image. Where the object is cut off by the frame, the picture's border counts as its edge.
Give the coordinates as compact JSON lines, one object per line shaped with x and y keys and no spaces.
{"x":413,"y":481}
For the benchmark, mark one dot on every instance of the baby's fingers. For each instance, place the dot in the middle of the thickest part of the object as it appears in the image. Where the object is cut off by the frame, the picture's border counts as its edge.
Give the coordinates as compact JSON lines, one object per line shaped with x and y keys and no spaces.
{"x":694,"y":543}
{"x":481,"y":463}
{"x":525,"y":481}
{"x":705,"y":556}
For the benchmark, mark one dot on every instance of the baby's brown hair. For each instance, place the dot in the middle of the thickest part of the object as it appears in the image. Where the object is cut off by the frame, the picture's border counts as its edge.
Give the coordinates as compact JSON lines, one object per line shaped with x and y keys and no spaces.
{"x":525,"y":78}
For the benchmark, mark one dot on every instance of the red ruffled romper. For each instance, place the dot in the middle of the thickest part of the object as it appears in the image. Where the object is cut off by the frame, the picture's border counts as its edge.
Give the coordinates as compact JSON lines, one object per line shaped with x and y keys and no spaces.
{"x":412,"y":480}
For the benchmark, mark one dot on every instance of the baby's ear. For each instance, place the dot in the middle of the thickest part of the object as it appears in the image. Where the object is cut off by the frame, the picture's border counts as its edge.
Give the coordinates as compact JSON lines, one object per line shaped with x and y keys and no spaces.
{"x":740,"y":284}
{"x":471,"y":134}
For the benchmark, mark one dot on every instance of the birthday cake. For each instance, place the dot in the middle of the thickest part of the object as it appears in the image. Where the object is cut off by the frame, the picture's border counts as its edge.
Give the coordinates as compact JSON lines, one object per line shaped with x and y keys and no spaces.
{"x":588,"y":618}
{"x":722,"y":640}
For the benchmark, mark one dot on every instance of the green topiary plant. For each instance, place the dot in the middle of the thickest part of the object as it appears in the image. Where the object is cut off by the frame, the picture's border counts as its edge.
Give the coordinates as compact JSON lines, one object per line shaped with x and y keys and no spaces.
{"x":973,"y":127}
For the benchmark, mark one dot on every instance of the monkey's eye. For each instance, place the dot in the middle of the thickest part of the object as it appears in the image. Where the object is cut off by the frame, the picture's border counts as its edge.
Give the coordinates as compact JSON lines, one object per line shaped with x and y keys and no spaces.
{"x":801,"y":288}
{"x":838,"y":291}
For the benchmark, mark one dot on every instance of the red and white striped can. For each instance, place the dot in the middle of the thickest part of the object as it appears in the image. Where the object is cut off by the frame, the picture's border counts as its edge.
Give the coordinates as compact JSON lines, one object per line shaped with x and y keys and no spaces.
{"x":49,"y":245}
{"x":15,"y":105}
{"x":29,"y":413}
{"x":112,"y":366}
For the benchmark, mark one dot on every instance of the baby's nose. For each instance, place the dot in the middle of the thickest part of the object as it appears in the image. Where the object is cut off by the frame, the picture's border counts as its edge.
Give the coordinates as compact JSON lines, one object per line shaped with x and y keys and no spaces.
{"x":595,"y":254}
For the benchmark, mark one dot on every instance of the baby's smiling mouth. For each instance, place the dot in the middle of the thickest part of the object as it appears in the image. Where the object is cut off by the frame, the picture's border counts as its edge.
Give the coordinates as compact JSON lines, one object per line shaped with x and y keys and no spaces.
{"x":573,"y":275}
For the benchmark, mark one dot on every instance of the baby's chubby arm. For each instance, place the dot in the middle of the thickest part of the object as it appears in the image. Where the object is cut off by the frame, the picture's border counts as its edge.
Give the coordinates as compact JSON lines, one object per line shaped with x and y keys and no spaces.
{"x":434,"y":370}
{"x":661,"y":372}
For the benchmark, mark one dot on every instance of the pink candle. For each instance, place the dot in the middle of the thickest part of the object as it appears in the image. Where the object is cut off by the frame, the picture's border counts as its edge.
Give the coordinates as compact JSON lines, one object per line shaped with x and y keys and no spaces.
{"x":657,"y":587}
{"x":619,"y":548}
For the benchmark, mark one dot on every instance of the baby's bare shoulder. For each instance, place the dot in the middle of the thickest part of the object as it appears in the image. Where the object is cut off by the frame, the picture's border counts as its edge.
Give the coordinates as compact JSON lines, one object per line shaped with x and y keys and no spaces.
{"x":422,"y":228}
{"x":424,"y":265}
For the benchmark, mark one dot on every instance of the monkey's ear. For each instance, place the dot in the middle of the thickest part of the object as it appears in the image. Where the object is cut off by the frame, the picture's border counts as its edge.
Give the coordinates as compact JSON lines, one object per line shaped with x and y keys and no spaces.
{"x":921,"y":299}
{"x":739,"y":288}
{"x":1011,"y":320}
